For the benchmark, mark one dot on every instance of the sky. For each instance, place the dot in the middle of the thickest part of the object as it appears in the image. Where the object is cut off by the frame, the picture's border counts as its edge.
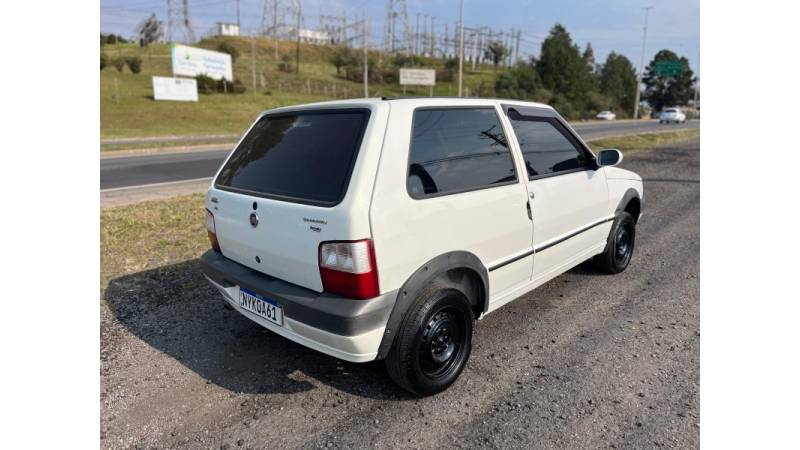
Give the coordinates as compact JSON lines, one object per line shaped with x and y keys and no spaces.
{"x":609,"y":25}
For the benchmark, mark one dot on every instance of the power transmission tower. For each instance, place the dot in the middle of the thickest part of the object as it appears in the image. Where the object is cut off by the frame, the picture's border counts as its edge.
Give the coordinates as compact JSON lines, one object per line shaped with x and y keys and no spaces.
{"x":391,"y":39}
{"x":178,"y":20}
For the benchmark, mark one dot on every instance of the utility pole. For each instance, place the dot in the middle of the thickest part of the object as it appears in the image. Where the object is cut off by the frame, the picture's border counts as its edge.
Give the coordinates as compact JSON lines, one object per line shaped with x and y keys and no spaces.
{"x":297,"y":44}
{"x":253,"y":56}
{"x":416,"y":37}
{"x":433,"y":36}
{"x":641,"y":65}
{"x":461,"y":47}
{"x":366,"y":59}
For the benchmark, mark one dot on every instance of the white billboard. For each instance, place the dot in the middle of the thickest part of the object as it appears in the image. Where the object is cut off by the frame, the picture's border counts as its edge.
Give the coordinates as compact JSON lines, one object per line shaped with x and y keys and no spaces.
{"x":192,"y":61}
{"x":179,"y":89}
{"x":418,"y":77}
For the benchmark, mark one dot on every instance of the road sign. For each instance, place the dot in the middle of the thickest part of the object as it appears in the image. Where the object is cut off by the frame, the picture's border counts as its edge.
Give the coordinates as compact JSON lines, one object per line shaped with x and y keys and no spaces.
{"x":669,"y":68}
{"x":180,"y":89}
{"x":418,"y":77}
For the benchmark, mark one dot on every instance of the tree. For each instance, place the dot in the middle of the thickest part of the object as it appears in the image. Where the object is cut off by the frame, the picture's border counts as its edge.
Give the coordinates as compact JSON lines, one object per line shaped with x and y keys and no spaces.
{"x":340,"y":58}
{"x":667,"y":90}
{"x":563,"y":69}
{"x":520,"y":82}
{"x":496,"y":52}
{"x":618,"y":81}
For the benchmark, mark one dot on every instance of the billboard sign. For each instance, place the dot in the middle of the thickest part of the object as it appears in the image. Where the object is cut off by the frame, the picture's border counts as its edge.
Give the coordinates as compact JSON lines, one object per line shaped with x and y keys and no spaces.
{"x":418,"y":77}
{"x":179,"y":89}
{"x":193,"y":61}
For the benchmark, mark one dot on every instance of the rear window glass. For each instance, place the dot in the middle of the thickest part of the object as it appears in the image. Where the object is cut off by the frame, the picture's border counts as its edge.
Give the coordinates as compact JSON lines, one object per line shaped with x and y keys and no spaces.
{"x":306,"y":157}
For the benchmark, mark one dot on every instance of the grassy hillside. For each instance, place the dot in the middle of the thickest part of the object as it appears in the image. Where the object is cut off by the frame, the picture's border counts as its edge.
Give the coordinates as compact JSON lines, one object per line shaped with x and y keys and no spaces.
{"x":135,"y":113}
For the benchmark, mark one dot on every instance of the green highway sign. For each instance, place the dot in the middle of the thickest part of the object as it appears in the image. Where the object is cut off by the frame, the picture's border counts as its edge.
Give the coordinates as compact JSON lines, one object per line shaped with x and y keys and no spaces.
{"x":669,"y":68}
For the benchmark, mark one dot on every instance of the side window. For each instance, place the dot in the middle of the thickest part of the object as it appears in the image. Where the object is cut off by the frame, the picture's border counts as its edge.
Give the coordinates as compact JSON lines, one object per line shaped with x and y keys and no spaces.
{"x":545,"y":145}
{"x":457,"y":150}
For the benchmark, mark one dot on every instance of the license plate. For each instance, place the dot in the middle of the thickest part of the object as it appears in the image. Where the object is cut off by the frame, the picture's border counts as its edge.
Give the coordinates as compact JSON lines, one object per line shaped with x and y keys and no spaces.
{"x":261,"y":306}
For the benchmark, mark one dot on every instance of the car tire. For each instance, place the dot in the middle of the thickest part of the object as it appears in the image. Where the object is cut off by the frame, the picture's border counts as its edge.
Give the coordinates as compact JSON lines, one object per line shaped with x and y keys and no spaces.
{"x":661,"y":122}
{"x":434,"y":341}
{"x":619,"y":245}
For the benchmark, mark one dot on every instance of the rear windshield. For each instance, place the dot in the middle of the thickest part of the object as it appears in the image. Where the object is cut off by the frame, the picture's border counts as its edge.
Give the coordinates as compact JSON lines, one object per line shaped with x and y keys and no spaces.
{"x":670,"y":110}
{"x":304,"y":157}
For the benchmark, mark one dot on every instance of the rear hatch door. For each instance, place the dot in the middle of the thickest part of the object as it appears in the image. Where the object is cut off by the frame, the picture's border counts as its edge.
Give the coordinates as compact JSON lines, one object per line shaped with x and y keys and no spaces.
{"x":281,"y":185}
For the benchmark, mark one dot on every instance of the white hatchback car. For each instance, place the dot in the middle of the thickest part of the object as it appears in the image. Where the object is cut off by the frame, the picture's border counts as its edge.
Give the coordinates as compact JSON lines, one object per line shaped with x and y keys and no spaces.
{"x":606,"y":115}
{"x":383,"y":228}
{"x":672,"y":115}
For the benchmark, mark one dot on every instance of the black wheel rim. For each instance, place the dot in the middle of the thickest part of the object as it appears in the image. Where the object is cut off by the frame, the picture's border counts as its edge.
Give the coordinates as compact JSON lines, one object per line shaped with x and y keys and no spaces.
{"x":443,"y":342}
{"x":623,"y":245}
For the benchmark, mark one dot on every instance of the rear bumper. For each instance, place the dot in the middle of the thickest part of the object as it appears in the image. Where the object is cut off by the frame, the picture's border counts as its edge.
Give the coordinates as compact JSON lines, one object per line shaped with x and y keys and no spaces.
{"x":344,"y":328}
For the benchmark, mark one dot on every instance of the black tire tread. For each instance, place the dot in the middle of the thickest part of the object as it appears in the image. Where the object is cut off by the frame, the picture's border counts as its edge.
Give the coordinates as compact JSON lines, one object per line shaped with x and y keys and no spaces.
{"x":605,"y":261}
{"x":399,"y":361}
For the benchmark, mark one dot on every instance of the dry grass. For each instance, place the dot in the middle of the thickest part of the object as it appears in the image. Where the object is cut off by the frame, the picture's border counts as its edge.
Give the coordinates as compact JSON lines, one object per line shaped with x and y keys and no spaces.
{"x":146,"y":235}
{"x":634,"y":143}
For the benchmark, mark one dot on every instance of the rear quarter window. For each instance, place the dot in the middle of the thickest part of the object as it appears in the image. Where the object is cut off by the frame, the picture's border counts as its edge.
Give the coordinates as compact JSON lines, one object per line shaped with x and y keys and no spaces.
{"x":457,"y":150}
{"x":304,"y":157}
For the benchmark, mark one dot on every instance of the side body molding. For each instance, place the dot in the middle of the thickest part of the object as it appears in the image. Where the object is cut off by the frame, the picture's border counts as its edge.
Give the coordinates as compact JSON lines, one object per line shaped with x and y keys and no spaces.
{"x":424,"y":275}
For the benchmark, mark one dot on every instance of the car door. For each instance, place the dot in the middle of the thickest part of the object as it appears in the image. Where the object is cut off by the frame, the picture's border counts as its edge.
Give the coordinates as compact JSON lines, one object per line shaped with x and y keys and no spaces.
{"x":448,"y":182}
{"x":568,"y":193}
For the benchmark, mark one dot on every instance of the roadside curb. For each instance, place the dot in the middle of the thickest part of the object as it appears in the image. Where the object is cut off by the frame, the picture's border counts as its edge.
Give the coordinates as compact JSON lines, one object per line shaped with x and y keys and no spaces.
{"x":108,"y":154}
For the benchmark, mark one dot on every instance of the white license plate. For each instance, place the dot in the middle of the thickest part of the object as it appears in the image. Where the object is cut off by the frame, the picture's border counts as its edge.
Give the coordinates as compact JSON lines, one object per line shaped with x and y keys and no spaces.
{"x":261,"y":306}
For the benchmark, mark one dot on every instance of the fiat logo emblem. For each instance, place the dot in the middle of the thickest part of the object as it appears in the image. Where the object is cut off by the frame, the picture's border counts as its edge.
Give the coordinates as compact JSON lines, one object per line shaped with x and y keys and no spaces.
{"x":253,"y":219}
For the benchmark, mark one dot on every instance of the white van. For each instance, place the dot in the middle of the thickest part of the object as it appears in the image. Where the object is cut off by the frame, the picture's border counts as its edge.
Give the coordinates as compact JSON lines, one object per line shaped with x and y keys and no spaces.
{"x":384,"y":228}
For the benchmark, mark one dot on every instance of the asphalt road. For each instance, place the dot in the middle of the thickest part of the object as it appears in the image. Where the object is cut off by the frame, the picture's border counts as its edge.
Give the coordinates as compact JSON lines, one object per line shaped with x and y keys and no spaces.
{"x":585,"y":361}
{"x":129,"y":171}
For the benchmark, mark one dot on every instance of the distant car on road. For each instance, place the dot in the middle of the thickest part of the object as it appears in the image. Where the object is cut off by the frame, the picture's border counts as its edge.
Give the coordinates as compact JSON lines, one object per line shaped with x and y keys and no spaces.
{"x":672,"y":115}
{"x":606,"y":115}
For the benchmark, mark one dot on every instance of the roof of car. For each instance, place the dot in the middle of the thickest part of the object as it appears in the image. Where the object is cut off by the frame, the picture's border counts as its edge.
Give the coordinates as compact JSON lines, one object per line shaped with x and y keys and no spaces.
{"x":422,"y":101}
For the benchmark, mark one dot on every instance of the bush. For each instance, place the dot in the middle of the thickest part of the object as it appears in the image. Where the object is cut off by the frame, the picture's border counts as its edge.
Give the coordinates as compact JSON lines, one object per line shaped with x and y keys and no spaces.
{"x":206,"y":84}
{"x":227,"y":47}
{"x":103,"y":61}
{"x":286,"y":64}
{"x":119,"y":63}
{"x":134,"y":63}
{"x":225,"y":86}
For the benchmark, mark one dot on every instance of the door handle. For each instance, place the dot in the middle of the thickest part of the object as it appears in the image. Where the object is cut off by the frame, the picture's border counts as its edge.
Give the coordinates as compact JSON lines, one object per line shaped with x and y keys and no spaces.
{"x":530,"y":215}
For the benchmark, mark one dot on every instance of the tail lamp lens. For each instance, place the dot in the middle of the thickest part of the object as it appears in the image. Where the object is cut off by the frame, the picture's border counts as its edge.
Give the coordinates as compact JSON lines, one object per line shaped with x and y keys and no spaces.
{"x":349,"y":269}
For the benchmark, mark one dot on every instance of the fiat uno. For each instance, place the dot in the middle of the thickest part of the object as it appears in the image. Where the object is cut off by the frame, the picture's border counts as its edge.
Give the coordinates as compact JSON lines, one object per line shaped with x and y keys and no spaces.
{"x":384,"y":228}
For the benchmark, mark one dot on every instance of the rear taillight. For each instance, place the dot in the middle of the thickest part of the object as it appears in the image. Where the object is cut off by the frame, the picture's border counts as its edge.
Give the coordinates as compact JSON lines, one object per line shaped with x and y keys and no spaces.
{"x":348,"y":268}
{"x":212,"y":231}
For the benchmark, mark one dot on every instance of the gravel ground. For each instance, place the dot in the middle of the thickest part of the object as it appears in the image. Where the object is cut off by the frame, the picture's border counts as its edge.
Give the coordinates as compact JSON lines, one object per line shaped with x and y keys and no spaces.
{"x":587,"y":360}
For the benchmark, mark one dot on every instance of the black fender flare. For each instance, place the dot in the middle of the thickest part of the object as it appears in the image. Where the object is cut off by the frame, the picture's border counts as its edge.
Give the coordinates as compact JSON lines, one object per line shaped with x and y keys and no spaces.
{"x":421,"y":277}
{"x":629,"y":195}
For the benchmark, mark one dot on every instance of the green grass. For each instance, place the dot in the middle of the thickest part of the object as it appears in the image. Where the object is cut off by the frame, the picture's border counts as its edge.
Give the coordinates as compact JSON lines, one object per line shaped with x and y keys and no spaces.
{"x":136,"y":114}
{"x":634,"y":143}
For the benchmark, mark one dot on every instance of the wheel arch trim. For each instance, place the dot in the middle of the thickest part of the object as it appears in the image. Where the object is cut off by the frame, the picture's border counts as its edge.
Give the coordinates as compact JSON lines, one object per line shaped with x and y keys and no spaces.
{"x":629,"y":195}
{"x":429,"y":271}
